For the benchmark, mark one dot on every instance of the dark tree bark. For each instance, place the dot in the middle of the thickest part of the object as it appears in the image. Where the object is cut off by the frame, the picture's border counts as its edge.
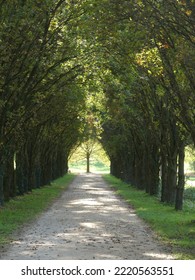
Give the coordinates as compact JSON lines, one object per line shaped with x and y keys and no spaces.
{"x":88,"y":162}
{"x":1,"y":185}
{"x":181,"y":179}
{"x":163,"y":177}
{"x":171,"y":178}
{"x":20,"y":173}
{"x":9,"y":181}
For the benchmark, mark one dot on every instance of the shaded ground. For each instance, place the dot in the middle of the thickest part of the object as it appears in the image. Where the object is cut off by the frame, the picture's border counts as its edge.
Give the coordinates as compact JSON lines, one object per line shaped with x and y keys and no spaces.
{"x":88,"y":222}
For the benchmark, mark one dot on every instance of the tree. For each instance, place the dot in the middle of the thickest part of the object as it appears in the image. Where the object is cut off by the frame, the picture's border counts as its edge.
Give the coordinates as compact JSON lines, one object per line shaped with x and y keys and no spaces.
{"x":89,"y":152}
{"x":153,"y":111}
{"x":75,"y":71}
{"x":39,"y":72}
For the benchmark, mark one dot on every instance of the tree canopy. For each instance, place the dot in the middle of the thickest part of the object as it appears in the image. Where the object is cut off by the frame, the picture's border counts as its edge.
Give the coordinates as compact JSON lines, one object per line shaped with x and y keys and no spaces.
{"x":119,"y":71}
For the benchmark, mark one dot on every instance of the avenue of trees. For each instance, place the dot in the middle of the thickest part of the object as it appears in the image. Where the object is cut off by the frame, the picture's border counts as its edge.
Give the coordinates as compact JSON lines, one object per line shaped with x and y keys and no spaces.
{"x":125,"y":68}
{"x":40,"y":92}
{"x":149,"y":88}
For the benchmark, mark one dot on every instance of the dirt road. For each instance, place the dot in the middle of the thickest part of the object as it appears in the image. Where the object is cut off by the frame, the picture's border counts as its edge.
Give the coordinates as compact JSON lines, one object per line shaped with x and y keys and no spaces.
{"x":88,"y":222}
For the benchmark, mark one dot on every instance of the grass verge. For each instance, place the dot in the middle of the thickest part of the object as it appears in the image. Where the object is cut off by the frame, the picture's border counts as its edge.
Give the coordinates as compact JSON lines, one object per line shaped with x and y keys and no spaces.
{"x":24,"y":209}
{"x":95,"y":166}
{"x":176,"y":229}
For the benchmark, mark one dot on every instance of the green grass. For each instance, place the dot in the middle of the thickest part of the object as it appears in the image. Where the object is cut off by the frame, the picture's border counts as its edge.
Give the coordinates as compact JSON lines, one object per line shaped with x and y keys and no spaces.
{"x":176,"y":229}
{"x":24,"y":209}
{"x":95,"y":166}
{"x":191,"y":179}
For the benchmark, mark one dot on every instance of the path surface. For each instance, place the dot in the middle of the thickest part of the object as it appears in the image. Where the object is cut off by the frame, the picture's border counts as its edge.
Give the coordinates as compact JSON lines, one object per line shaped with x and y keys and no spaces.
{"x":88,"y":222}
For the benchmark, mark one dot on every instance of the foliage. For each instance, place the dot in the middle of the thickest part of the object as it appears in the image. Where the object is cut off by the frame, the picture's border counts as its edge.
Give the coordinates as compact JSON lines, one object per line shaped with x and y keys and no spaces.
{"x":97,"y":157}
{"x":148,"y":90}
{"x":40,"y":92}
{"x":122,"y":73}
{"x":189,"y":197}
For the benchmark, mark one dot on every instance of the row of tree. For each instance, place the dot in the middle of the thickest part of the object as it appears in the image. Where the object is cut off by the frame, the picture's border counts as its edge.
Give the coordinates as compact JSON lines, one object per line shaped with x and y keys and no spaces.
{"x":40,"y":92}
{"x":126,"y":70}
{"x":147,"y":63}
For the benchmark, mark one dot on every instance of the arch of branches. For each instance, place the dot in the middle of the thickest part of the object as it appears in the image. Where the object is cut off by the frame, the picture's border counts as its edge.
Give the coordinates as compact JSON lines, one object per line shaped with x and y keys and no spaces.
{"x":121,"y":71}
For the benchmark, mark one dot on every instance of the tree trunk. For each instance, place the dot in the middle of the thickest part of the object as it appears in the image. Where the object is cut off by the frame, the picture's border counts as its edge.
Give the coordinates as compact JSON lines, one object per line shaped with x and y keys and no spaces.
{"x":132,"y":169}
{"x":88,"y":162}
{"x":163,"y":177}
{"x":171,"y":179}
{"x":1,"y":185}
{"x":181,"y":179}
{"x":170,"y":152}
{"x":9,"y":179}
{"x":20,"y":173}
{"x":148,"y":175}
{"x":139,"y":173}
{"x":38,"y":176}
{"x":154,"y":186}
{"x":154,"y":167}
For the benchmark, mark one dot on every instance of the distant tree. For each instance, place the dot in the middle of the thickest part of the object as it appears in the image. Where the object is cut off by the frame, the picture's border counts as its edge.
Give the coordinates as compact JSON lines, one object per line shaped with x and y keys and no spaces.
{"x":89,"y":151}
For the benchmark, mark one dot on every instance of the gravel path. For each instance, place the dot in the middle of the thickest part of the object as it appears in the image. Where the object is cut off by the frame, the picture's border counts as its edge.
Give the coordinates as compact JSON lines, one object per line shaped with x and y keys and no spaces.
{"x":87,"y":222}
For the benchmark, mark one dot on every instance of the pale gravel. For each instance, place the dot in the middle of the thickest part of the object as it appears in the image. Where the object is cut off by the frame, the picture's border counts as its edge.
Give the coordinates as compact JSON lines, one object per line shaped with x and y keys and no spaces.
{"x":89,"y":221}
